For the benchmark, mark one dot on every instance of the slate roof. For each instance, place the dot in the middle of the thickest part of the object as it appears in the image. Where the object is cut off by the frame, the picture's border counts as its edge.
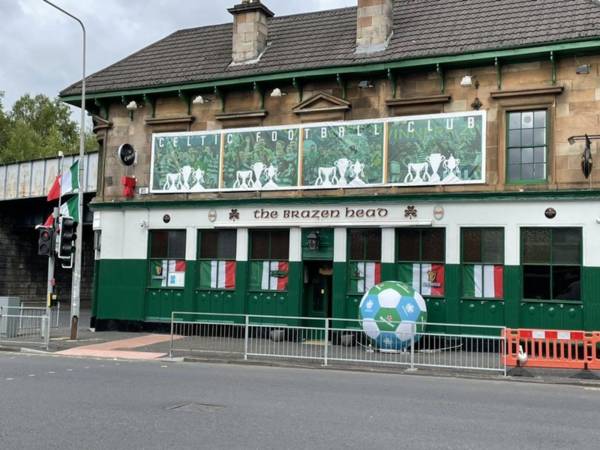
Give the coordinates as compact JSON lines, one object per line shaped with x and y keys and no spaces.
{"x":422,"y":28}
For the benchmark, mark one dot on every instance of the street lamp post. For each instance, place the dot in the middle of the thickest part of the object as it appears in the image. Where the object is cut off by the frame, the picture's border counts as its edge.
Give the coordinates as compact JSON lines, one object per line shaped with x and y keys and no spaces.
{"x":76,"y":276}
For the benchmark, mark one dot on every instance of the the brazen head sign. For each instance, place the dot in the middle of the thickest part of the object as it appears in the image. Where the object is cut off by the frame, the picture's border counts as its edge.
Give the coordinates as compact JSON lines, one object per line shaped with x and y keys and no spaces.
{"x":420,"y":150}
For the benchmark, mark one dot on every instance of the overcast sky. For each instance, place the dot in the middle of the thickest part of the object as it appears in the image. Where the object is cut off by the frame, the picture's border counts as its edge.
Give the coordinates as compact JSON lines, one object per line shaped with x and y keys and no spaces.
{"x":40,"y":49}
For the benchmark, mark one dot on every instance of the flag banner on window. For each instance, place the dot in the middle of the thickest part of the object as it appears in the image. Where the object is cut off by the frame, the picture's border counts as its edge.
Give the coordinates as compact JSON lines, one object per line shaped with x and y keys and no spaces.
{"x":217,"y":274}
{"x":364,"y":275}
{"x":426,"y":279}
{"x":158,"y":273}
{"x":269,"y":275}
{"x":483,"y":281}
{"x":176,"y":276}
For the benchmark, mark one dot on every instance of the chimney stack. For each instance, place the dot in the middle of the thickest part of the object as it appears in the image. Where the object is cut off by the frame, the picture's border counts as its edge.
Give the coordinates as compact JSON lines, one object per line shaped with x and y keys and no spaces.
{"x":375,"y":23}
{"x":250,"y":30}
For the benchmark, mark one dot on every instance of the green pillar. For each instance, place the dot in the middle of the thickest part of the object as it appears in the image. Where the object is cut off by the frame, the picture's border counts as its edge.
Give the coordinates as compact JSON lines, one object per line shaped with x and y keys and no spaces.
{"x":512,"y":295}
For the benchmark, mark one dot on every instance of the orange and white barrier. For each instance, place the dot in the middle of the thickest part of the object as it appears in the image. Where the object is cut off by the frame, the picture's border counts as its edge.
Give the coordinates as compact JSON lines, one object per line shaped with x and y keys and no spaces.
{"x":553,"y":349}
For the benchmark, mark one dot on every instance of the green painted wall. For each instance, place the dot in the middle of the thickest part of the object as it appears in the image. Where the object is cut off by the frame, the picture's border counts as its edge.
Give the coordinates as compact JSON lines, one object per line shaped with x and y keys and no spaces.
{"x":122,"y":294}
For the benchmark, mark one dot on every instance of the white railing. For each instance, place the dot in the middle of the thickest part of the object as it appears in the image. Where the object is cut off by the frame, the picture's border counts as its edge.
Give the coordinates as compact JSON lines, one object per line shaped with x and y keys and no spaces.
{"x":452,"y":346}
{"x":24,"y":328}
{"x":33,"y":307}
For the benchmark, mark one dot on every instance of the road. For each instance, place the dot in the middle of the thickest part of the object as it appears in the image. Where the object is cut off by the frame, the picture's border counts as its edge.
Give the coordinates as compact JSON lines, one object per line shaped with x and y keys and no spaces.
{"x":61,"y":403}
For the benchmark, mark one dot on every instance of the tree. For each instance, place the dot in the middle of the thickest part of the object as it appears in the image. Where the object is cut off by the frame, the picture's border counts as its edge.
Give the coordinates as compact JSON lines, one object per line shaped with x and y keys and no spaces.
{"x":38,"y":127}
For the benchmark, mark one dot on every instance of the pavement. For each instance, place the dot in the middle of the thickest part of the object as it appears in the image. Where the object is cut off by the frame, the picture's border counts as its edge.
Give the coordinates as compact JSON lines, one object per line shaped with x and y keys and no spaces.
{"x":55,"y":402}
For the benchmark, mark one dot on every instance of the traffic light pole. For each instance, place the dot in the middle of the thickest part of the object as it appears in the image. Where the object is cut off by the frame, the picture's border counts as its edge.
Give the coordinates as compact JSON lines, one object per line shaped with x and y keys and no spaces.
{"x":76,"y":276}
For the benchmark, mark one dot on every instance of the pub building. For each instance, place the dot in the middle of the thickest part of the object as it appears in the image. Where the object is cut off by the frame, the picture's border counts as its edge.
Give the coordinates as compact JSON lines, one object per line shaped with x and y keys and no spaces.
{"x":284,"y":165}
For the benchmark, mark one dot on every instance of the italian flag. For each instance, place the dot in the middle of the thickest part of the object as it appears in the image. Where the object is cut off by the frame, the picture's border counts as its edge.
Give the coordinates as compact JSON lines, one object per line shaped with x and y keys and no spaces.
{"x":426,"y":279}
{"x":364,"y":276}
{"x":483,"y":281}
{"x":70,"y":208}
{"x":67,"y":183}
{"x":217,"y":274}
{"x":176,"y":273}
{"x":269,"y":275}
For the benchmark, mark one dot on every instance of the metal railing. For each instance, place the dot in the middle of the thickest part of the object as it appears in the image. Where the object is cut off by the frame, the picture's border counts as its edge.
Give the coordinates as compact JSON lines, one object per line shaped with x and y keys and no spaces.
{"x":18,"y":327}
{"x":33,"y":307}
{"x":452,"y":346}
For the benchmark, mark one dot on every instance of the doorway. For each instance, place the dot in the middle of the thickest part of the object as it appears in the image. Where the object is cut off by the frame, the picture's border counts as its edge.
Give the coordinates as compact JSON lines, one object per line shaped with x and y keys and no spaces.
{"x":318,"y":282}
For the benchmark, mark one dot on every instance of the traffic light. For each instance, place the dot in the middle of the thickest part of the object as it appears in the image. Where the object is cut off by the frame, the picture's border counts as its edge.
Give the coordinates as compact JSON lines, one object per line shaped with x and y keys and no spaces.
{"x":66,"y":237}
{"x":45,"y":241}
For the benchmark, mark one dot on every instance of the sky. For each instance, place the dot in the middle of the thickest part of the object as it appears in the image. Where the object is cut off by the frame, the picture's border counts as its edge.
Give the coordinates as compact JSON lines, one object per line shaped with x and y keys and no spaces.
{"x":40,"y":49}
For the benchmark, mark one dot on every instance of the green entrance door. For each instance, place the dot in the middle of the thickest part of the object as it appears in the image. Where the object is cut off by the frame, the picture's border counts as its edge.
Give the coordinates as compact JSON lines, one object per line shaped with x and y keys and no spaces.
{"x":318,"y":278}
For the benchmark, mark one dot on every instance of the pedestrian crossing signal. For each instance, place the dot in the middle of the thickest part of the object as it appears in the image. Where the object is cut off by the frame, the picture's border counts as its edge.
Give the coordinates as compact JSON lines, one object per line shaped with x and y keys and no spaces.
{"x":45,"y":241}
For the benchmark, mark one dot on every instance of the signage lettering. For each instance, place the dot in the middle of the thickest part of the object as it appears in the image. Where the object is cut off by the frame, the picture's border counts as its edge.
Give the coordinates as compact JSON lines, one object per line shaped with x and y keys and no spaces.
{"x":347,"y":213}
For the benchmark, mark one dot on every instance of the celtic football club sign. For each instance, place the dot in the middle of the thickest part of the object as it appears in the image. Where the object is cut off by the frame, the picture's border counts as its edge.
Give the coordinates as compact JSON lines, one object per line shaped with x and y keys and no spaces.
{"x":441,"y":149}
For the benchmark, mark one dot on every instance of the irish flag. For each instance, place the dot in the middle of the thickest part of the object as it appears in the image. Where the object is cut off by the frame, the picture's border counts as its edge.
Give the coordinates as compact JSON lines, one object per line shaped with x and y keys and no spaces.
{"x":217,"y":274}
{"x":426,"y":279}
{"x":364,"y":276}
{"x":70,"y":208}
{"x":269,"y":275}
{"x":67,"y":183}
{"x":483,"y":281}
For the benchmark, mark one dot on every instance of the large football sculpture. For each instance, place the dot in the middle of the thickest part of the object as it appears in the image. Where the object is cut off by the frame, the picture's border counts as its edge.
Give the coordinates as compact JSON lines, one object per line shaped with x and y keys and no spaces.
{"x":393,"y":314}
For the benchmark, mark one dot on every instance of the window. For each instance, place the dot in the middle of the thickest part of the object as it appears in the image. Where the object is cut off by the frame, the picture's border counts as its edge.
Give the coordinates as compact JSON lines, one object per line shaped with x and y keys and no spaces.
{"x":483,"y":262}
{"x":216,"y":254}
{"x":364,"y":259}
{"x":421,"y":255}
{"x":167,"y":258}
{"x":269,"y":255}
{"x":527,"y":146}
{"x":551,"y":259}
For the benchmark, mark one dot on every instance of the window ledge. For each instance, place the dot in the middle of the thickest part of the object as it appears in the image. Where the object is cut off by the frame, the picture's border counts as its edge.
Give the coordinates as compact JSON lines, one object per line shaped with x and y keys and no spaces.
{"x":555,"y":90}
{"x":466,"y":299}
{"x":554,"y":302}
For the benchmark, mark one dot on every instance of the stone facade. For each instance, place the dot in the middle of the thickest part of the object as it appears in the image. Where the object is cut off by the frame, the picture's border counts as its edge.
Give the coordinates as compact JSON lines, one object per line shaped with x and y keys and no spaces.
{"x":573,"y":104}
{"x":23,"y":273}
{"x":250,"y":30}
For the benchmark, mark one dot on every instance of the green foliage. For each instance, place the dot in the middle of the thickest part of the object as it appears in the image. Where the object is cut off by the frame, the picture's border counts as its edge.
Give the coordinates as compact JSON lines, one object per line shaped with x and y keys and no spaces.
{"x":194,"y":151}
{"x":431,"y":137}
{"x":363,"y":144}
{"x":245,"y":150}
{"x":38,"y":127}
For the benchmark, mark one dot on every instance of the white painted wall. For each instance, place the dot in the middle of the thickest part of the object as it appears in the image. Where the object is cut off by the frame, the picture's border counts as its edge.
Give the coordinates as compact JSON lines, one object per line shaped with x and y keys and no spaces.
{"x":123,"y":236}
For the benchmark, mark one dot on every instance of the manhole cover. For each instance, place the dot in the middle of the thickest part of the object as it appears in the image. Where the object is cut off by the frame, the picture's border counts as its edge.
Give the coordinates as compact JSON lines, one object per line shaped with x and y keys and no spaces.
{"x":196,"y":407}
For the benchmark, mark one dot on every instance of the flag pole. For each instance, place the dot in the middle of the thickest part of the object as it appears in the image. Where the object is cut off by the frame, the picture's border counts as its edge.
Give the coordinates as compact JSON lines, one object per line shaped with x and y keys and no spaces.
{"x":76,"y":276}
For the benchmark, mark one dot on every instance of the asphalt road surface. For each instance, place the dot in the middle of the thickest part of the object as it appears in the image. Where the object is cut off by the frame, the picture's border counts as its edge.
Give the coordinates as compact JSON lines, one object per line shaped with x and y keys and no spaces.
{"x":60,"y":403}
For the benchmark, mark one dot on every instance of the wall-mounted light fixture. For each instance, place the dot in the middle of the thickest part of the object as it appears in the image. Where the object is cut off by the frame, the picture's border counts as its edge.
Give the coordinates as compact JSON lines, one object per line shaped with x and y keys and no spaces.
{"x":366,"y":84}
{"x":200,"y":100}
{"x":471,"y":81}
{"x":277,"y":93}
{"x":131,"y":107}
{"x":314,"y":240}
{"x":587,"y":162}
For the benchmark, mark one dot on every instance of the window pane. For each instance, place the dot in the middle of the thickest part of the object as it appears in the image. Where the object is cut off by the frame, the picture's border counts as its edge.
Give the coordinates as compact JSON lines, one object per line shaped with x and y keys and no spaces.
{"x":408,"y":245}
{"x":159,"y":244}
{"x":527,"y":172}
{"x":227,"y":244}
{"x":539,"y":136}
{"x":566,"y":246}
{"x":177,"y":245}
{"x":433,"y":245}
{"x":280,"y":244}
{"x":539,"y":155}
{"x":566,"y":283}
{"x":527,"y":155}
{"x":514,"y":138}
{"x":471,"y":245}
{"x":536,"y":245}
{"x":539,"y":119}
{"x":373,"y":252}
{"x":514,"y":156}
{"x":357,"y":245}
{"x":527,"y":120}
{"x":208,"y":244}
{"x":514,"y":120}
{"x":527,"y":137}
{"x":539,"y":171}
{"x":514,"y":172}
{"x":536,"y":282}
{"x":492,"y":251}
{"x":259,"y":242}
